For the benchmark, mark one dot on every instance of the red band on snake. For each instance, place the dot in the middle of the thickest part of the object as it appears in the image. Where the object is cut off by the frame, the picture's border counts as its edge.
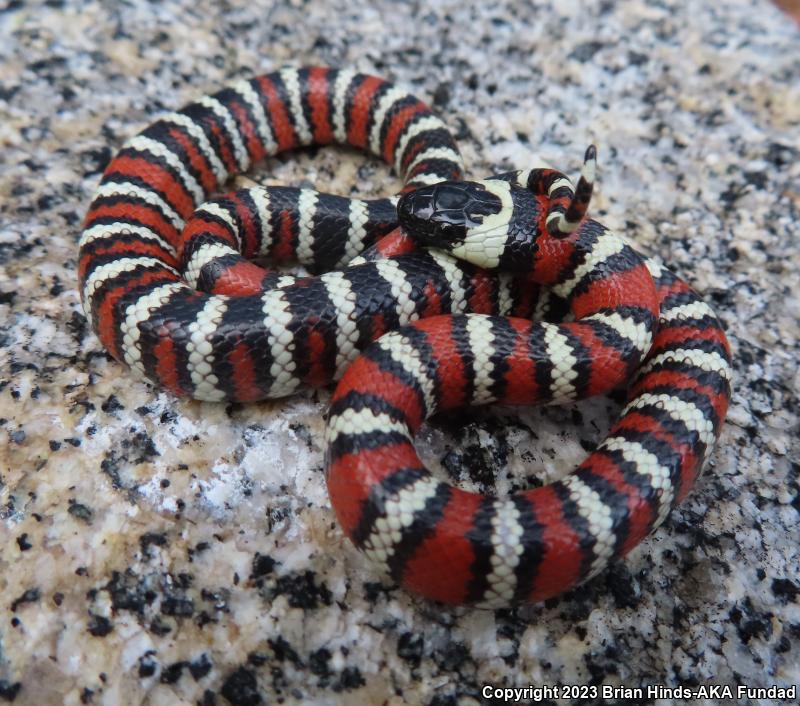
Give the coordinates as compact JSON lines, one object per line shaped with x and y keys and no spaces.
{"x":463,"y":305}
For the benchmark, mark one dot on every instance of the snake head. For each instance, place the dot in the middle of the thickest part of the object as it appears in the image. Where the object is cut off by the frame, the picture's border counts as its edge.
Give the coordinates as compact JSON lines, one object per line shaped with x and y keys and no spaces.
{"x":441,"y":215}
{"x":469,"y":219}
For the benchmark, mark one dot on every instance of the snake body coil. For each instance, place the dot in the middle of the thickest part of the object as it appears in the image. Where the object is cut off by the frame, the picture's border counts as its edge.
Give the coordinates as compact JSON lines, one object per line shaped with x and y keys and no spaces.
{"x":468,"y":319}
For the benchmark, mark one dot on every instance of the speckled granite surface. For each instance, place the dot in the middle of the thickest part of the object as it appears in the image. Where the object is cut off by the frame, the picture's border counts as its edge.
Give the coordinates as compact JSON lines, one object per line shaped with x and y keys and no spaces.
{"x":165,"y":552}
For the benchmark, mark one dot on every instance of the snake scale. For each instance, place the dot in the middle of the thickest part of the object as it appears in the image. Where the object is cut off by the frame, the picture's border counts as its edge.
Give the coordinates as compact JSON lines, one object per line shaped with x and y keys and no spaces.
{"x":499,"y":290}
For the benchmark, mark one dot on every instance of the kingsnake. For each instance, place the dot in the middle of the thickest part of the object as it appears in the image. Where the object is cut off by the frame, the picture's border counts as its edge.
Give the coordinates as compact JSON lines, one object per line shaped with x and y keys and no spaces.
{"x":573,"y":311}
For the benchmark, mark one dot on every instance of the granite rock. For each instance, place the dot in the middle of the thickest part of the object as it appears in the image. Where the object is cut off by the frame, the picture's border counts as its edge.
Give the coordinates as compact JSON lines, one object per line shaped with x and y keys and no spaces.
{"x":173,"y":552}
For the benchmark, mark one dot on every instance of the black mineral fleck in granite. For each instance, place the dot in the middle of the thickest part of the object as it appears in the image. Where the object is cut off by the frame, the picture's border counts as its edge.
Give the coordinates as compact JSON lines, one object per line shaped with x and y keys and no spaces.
{"x":177,"y":605}
{"x":349,"y":679}
{"x":302,"y":590}
{"x":172,"y":673}
{"x":9,"y":691}
{"x":241,"y":688}
{"x":147,"y":664}
{"x":200,"y":667}
{"x":155,"y":539}
{"x":32,"y":595}
{"x":284,"y":651}
{"x":262,"y":565}
{"x":410,"y":647}
{"x":318,"y":662}
{"x":80,"y":511}
{"x":786,"y":590}
{"x":99,"y":626}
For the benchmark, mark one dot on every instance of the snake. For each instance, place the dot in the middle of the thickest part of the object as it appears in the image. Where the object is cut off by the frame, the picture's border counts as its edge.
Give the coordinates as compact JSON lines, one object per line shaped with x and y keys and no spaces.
{"x":451,"y":293}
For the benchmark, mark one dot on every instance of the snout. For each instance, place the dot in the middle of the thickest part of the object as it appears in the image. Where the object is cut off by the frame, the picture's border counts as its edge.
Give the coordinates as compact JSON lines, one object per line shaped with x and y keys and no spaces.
{"x":415,"y":210}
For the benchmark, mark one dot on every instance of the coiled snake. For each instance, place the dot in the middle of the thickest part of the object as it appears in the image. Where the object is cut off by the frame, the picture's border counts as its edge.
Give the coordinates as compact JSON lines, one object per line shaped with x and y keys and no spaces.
{"x":460,"y":306}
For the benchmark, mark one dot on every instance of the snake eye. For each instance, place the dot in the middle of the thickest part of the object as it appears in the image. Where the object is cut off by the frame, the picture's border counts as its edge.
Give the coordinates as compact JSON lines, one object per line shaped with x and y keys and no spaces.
{"x":449,"y":232}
